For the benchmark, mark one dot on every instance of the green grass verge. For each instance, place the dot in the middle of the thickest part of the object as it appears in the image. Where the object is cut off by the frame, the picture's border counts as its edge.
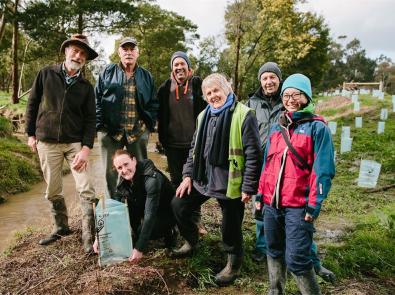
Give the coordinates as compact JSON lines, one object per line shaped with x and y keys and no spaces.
{"x":369,"y":249}
{"x":5,"y":100}
{"x":18,"y":166}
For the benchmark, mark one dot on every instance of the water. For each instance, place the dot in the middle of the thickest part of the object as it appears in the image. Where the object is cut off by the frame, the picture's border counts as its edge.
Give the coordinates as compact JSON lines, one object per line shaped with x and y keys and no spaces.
{"x":31,"y":208}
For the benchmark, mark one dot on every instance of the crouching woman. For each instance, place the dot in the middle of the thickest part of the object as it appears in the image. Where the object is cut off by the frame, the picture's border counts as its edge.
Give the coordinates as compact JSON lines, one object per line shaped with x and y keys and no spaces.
{"x":296,"y":177}
{"x":149,"y":193}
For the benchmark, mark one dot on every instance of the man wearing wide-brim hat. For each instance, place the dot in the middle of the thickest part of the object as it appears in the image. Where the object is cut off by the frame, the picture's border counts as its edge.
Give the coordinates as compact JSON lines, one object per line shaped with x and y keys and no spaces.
{"x":60,"y":123}
{"x":126,"y":109}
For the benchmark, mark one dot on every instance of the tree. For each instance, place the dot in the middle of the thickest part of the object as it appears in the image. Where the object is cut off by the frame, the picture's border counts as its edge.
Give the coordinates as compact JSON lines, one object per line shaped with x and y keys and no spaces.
{"x":15,"y":33}
{"x":259,"y":31}
{"x":159,"y":34}
{"x":385,"y":71}
{"x":358,"y":66}
{"x":50,"y":22}
{"x":208,"y":58}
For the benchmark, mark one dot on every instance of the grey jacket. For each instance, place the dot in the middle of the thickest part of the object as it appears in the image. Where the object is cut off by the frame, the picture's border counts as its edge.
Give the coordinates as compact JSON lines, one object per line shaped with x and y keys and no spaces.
{"x":265,"y":113}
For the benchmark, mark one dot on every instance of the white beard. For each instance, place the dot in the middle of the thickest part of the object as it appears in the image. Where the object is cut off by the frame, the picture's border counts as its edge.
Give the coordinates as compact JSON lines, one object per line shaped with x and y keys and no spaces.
{"x":72,"y":65}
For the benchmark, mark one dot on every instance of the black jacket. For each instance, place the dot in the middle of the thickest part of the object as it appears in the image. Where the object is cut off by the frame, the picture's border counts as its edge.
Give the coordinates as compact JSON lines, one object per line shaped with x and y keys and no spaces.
{"x":109,"y":92}
{"x":149,"y":196}
{"x":60,"y":113}
{"x":163,"y":95}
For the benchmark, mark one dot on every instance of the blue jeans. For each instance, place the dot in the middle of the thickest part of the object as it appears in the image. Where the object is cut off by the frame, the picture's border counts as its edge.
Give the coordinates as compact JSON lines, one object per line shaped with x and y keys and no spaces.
{"x":260,"y":244}
{"x":289,"y":236}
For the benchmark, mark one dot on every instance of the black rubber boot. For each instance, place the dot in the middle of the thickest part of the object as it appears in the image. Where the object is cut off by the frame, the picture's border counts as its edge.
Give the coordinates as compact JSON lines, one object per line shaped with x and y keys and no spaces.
{"x":325,"y":274}
{"x":230,"y":272}
{"x":307,"y":283}
{"x":277,"y":275}
{"x":60,"y":220}
{"x":171,"y":238}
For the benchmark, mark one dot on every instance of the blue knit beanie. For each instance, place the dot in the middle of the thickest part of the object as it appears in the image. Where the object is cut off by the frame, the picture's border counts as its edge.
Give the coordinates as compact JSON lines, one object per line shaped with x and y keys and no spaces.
{"x":181,"y":54}
{"x":271,"y":67}
{"x":300,"y":82}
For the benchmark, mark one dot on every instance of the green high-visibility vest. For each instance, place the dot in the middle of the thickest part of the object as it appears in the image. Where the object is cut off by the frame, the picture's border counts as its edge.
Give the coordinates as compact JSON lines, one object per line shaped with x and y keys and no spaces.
{"x":236,"y":156}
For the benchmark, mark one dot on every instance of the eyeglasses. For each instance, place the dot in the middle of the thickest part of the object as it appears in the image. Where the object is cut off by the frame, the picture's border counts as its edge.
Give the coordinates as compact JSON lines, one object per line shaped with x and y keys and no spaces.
{"x":294,"y":96}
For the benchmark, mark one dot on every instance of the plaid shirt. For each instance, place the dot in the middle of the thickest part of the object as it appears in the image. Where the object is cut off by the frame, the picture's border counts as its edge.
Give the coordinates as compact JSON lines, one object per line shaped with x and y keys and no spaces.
{"x":132,"y":127}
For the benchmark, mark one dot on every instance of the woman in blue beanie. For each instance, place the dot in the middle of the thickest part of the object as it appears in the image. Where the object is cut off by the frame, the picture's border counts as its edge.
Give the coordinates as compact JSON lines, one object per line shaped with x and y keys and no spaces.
{"x":296,"y":177}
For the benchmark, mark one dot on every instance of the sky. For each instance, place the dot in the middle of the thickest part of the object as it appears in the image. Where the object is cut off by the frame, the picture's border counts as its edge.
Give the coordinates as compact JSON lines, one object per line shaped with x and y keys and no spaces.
{"x":370,"y":21}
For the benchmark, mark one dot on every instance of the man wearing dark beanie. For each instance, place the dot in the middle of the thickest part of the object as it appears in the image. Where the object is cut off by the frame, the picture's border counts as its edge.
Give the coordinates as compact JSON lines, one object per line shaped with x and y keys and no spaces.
{"x":267,"y":103}
{"x":180,"y":102}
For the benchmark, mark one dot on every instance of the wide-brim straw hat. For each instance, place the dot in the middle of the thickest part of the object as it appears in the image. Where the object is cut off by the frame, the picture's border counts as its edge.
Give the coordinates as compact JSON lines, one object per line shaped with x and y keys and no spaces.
{"x":81,"y":40}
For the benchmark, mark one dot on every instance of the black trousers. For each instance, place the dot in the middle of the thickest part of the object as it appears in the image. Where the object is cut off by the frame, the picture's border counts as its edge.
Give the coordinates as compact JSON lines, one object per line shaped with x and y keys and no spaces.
{"x":232,"y":218}
{"x":176,"y":158}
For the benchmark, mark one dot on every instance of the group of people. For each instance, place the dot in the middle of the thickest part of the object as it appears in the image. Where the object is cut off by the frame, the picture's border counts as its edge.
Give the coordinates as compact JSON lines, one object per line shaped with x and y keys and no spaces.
{"x":273,"y":149}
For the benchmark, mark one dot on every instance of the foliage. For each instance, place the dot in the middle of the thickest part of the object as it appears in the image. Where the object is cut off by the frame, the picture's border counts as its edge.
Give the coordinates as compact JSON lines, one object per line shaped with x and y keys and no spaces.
{"x":159,"y":34}
{"x":348,"y":63}
{"x":208,"y":58}
{"x":261,"y":31}
{"x":17,"y":166}
{"x":385,"y":72}
{"x":5,"y":127}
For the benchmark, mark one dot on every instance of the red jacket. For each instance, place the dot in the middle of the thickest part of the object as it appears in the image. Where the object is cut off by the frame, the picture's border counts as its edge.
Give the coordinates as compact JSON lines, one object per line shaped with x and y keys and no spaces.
{"x":283,"y":182}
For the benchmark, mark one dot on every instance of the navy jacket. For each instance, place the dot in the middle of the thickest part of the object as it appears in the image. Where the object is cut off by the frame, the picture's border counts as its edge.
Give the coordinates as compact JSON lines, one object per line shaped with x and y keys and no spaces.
{"x":109,"y":92}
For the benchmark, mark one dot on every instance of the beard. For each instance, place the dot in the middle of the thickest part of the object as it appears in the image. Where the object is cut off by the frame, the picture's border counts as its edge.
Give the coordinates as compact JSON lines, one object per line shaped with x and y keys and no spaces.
{"x":72,"y":65}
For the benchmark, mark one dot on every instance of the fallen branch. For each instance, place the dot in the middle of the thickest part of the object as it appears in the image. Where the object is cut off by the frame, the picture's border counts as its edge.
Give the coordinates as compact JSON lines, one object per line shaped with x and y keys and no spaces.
{"x":381,"y":189}
{"x":163,"y":280}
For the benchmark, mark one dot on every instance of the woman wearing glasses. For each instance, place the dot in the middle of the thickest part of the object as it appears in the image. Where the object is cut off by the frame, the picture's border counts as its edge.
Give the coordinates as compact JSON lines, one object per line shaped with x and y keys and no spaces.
{"x":296,"y":177}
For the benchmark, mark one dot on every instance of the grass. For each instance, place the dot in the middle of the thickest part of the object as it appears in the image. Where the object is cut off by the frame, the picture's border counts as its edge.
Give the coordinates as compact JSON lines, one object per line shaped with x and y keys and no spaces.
{"x":18,"y":166}
{"x":19,"y":108}
{"x":367,"y":248}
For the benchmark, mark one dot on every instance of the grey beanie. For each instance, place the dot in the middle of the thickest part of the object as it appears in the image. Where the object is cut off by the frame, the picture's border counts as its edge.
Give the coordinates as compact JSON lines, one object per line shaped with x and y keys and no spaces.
{"x":181,"y":54}
{"x":271,"y":67}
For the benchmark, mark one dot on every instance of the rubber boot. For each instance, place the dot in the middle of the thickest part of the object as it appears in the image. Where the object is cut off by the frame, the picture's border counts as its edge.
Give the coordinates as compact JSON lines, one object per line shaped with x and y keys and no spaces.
{"x":60,"y":221}
{"x":88,"y":226}
{"x":171,"y":238}
{"x":307,"y":283}
{"x":277,"y":275}
{"x":184,"y":251}
{"x":230,"y":272}
{"x":325,"y":274}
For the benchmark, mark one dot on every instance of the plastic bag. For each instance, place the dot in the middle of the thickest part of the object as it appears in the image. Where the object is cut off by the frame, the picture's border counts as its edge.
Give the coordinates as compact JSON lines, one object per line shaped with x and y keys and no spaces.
{"x":113,"y":231}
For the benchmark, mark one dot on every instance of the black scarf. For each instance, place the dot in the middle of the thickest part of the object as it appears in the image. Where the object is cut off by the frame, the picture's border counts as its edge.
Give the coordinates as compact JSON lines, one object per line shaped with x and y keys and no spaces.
{"x":219,"y":151}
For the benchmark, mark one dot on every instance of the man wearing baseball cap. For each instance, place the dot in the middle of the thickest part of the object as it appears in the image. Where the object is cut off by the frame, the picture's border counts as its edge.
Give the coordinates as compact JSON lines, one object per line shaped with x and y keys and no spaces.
{"x":60,"y":123}
{"x":126,"y":109}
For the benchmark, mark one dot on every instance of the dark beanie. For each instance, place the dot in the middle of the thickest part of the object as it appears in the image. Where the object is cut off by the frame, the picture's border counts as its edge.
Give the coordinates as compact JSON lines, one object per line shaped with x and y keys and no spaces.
{"x":182,"y":55}
{"x":271,"y":67}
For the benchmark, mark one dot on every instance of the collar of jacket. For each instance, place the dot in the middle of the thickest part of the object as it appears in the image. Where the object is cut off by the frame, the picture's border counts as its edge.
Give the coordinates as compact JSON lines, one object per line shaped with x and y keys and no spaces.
{"x":58,"y":69}
{"x":296,"y":117}
{"x":136,"y":66}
